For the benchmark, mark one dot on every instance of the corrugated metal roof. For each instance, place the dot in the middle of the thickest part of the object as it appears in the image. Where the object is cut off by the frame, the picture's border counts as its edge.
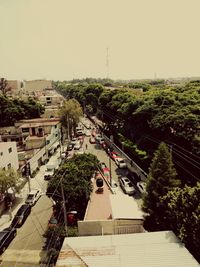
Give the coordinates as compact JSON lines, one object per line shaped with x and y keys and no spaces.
{"x":157,"y":249}
{"x":126,"y":209}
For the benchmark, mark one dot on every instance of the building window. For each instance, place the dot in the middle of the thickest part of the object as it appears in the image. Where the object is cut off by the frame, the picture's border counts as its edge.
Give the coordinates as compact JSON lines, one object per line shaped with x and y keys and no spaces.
{"x":55,"y":126}
{"x":1,"y":153}
{"x":10,"y":149}
{"x":25,"y":130}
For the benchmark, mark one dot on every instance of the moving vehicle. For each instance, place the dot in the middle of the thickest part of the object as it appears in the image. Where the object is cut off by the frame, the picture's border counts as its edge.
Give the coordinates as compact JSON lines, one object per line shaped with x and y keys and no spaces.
{"x":88,"y":126}
{"x":120,"y":162}
{"x":126,"y":185}
{"x":77,"y":146}
{"x":33,"y":197}
{"x":92,"y":140}
{"x":141,"y":187}
{"x":21,"y":216}
{"x":64,"y":154}
{"x":51,"y":167}
{"x":87,"y":133}
{"x":99,"y":138}
{"x":69,"y":147}
{"x":73,"y":141}
{"x":114,"y":155}
{"x":6,"y":236}
{"x":80,"y":151}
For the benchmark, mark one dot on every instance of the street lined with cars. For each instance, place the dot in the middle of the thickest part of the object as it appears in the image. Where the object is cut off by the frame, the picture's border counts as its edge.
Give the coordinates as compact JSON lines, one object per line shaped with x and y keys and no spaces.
{"x":113,"y":170}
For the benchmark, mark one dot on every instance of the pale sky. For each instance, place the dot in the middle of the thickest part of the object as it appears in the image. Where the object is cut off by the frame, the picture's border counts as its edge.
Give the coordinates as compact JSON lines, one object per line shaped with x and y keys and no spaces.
{"x":67,"y":39}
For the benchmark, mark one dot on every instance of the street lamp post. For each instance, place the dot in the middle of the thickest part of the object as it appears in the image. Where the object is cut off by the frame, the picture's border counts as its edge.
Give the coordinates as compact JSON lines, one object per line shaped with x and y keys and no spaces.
{"x":110,"y":171}
{"x":64,"y":208}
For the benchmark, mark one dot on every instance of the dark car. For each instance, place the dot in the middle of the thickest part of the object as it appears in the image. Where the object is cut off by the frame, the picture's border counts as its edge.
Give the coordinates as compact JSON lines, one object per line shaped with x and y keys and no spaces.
{"x":6,"y":236}
{"x":133,"y":177}
{"x":21,"y":216}
{"x":70,"y":147}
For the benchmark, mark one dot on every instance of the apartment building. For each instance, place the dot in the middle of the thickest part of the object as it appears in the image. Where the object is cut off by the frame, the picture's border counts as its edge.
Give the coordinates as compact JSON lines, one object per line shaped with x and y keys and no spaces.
{"x":8,"y":155}
{"x":37,"y":85}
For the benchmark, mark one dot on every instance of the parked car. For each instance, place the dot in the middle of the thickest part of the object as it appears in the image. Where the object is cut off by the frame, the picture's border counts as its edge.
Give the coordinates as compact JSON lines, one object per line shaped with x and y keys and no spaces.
{"x":21,"y":216}
{"x":64,"y":154}
{"x":6,"y":236}
{"x":77,"y":145}
{"x":92,"y":140}
{"x":73,"y":141}
{"x":87,"y":133}
{"x":70,"y":147}
{"x":98,"y":137}
{"x":114,"y":155}
{"x":80,"y":151}
{"x":126,"y":185}
{"x":141,"y":187}
{"x":133,"y":177}
{"x":120,"y":162}
{"x":33,"y":197}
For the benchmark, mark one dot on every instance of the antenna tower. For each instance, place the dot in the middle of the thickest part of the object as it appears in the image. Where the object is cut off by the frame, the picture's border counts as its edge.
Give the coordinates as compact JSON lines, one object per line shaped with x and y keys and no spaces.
{"x":107,"y":62}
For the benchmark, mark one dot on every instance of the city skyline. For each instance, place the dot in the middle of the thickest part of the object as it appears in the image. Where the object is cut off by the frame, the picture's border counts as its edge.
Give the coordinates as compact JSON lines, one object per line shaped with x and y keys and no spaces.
{"x":130,"y":39}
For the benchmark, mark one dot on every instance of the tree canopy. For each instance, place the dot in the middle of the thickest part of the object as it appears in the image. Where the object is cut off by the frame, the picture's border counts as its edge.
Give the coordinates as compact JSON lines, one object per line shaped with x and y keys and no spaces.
{"x":70,"y":112}
{"x":12,"y":110}
{"x":183,"y":210}
{"x":162,"y":178}
{"x":9,"y":179}
{"x":75,"y":175}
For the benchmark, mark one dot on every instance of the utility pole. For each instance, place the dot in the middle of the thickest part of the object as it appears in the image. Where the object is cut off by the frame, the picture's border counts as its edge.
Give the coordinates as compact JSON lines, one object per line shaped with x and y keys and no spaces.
{"x":110,"y":171}
{"x":64,"y":208}
{"x":68,"y":136}
{"x":107,"y":63}
{"x":28,"y":173}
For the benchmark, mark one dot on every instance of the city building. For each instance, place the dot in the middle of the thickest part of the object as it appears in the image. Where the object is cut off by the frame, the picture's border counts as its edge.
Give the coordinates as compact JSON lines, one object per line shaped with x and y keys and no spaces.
{"x":8,"y":155}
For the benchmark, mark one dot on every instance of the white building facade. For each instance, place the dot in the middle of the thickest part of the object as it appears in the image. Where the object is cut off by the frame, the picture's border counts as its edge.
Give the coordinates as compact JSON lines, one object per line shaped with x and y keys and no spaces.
{"x":9,"y":155}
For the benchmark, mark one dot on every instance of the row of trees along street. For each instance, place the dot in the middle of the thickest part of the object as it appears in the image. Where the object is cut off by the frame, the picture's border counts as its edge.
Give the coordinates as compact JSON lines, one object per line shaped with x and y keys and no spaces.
{"x":171,"y":201}
{"x":140,"y":119}
{"x":75,"y":175}
{"x":143,"y":119}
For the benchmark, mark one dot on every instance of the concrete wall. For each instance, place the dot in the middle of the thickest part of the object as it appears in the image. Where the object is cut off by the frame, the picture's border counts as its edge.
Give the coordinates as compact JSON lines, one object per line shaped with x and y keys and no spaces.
{"x":109,"y":227}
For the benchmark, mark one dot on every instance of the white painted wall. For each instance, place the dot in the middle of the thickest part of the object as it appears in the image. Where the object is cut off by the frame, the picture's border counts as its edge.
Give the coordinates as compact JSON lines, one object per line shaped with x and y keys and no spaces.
{"x":8,"y":155}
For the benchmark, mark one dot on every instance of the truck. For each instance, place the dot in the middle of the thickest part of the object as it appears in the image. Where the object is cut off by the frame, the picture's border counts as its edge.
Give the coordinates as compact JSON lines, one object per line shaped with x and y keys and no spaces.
{"x":51,"y":167}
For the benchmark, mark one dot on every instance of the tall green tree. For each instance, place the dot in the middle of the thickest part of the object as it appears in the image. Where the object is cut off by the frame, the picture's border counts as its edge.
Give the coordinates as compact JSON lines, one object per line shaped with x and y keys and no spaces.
{"x":70,"y":112}
{"x":183,"y":208}
{"x":76,"y":175}
{"x":9,"y":179}
{"x":4,"y":88}
{"x":162,"y":178}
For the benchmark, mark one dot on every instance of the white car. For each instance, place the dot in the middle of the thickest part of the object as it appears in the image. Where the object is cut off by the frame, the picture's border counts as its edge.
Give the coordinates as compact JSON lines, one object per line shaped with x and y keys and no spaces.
{"x":80,"y":151}
{"x":120,"y":162}
{"x":77,"y":146}
{"x":87,"y":132}
{"x":126,"y":185}
{"x":33,"y":196}
{"x":141,"y":187}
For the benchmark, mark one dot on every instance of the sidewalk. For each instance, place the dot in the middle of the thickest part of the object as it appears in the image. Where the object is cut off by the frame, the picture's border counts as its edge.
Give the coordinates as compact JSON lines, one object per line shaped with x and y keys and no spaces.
{"x":36,"y":182}
{"x":5,"y":217}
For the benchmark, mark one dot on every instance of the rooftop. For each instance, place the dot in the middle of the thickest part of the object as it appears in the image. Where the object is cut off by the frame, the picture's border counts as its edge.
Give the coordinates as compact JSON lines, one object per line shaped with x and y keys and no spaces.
{"x":156,"y":249}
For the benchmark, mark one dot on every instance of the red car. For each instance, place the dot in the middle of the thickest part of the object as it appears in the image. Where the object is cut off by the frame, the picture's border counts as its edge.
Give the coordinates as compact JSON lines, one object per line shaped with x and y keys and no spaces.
{"x":92,"y":140}
{"x":114,"y":155}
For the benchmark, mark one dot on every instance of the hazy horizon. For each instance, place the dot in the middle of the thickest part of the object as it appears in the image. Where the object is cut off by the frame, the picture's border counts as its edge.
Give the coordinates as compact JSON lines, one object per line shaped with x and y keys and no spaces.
{"x":65,"y":40}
